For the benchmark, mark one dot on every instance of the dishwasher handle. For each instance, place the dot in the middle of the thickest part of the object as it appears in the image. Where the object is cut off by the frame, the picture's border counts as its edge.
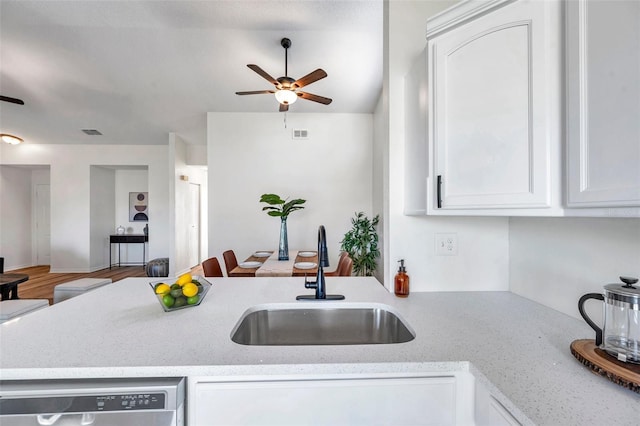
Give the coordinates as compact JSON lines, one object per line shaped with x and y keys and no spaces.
{"x":48,"y":420}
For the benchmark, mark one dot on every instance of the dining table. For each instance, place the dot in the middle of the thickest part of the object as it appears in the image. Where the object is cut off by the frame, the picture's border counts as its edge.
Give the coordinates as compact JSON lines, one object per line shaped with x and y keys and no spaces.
{"x":9,"y":285}
{"x":265,"y":263}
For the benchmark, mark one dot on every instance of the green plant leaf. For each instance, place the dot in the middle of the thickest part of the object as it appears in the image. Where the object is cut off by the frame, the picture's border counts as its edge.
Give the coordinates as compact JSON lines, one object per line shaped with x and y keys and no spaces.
{"x":361,"y":242}
{"x":279,"y":207}
{"x":271,"y":199}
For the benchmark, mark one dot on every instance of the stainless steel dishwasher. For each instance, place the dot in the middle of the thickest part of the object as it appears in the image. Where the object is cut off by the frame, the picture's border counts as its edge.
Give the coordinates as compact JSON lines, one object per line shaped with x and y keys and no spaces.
{"x":96,"y":402}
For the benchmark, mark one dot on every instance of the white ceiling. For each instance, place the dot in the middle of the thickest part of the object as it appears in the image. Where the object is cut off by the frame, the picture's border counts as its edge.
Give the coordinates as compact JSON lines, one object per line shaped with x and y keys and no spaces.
{"x":137,"y":70}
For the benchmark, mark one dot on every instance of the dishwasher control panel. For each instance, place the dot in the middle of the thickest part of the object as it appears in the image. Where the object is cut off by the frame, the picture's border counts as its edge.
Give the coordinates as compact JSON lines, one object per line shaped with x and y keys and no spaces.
{"x":136,"y":401}
{"x":83,"y":403}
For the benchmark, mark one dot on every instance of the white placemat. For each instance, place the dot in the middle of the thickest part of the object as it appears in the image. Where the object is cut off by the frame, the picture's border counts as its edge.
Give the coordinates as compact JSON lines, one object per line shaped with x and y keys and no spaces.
{"x":272,"y":267}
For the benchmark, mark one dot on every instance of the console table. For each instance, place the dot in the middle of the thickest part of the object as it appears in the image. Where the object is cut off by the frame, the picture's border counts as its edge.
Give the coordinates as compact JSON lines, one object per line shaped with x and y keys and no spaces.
{"x":128,"y":239}
{"x":9,"y":285}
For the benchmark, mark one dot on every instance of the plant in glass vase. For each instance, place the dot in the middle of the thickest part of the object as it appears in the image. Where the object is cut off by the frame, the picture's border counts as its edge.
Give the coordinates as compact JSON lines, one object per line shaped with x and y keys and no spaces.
{"x":281,"y":208}
{"x":361,"y":242}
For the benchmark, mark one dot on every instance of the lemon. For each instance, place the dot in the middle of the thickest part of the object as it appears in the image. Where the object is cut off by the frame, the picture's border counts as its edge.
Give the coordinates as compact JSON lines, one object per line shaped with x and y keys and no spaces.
{"x":183,"y":279}
{"x":162,"y":288}
{"x":189,"y":289}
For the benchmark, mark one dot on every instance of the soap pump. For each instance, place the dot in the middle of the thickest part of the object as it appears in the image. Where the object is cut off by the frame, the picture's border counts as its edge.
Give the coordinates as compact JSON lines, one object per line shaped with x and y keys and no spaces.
{"x":402,"y":281}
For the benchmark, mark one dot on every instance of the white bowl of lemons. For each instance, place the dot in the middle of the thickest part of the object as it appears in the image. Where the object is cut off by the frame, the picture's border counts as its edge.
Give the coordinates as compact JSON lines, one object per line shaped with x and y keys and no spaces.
{"x":182,"y":292}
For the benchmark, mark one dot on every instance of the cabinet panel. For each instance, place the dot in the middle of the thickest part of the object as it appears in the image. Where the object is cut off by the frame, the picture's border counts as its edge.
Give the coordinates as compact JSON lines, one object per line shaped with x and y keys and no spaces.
{"x":489,"y":411}
{"x":603,"y":104}
{"x":495,"y":96}
{"x":409,"y":400}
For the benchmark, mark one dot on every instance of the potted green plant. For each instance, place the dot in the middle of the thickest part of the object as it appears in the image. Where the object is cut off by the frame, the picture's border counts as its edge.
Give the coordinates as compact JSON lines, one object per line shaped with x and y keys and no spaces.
{"x":281,"y":208}
{"x":361,"y":242}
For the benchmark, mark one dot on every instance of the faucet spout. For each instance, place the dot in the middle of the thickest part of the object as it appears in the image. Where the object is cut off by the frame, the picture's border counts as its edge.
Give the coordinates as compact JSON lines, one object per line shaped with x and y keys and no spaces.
{"x":319,"y":284}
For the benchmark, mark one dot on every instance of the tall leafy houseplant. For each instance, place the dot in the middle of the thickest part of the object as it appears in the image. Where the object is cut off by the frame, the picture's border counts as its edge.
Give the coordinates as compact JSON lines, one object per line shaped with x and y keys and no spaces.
{"x":361,"y":242}
{"x":281,"y":208}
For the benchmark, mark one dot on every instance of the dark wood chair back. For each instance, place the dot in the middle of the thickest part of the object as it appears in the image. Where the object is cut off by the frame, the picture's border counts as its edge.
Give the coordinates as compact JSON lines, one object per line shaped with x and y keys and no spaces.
{"x":230,"y":261}
{"x":211,"y":268}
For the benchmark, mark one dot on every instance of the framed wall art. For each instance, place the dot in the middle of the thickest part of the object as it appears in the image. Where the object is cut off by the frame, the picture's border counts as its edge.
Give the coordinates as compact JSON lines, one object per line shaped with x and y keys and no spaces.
{"x":138,"y":207}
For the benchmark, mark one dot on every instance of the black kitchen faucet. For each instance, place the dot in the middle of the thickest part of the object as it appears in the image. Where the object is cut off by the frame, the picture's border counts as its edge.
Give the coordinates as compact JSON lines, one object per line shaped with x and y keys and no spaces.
{"x":319,"y":283}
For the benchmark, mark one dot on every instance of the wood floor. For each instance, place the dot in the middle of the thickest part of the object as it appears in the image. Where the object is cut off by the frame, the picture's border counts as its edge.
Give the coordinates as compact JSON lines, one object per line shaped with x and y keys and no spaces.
{"x":41,"y":282}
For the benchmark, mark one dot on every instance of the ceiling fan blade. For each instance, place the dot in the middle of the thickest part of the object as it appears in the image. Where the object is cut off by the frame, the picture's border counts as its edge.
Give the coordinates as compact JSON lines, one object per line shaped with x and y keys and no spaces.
{"x":284,"y":107}
{"x":12,"y":100}
{"x":263,"y":74}
{"x":255,"y":92}
{"x":310,"y":78}
{"x":314,"y":98}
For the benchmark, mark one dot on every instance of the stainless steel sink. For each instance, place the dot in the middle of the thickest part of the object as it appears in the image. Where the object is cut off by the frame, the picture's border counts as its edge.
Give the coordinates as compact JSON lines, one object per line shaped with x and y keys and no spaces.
{"x":324,"y":323}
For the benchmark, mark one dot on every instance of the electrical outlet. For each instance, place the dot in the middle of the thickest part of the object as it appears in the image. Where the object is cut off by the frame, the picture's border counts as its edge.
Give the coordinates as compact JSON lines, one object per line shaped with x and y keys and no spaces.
{"x":447,"y":244}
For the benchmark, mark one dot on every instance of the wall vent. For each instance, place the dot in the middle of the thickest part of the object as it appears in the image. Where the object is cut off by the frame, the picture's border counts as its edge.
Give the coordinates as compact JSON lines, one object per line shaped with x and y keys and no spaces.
{"x":300,"y":134}
{"x":92,"y":132}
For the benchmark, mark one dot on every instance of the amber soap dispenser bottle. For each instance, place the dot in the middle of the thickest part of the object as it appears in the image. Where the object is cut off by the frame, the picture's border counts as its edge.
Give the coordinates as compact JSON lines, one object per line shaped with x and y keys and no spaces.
{"x":402,"y":281}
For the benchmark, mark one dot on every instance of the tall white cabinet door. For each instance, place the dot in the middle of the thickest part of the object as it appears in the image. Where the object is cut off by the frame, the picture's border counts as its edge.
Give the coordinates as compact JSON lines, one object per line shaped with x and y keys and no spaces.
{"x":495,"y":108}
{"x":603,"y":103}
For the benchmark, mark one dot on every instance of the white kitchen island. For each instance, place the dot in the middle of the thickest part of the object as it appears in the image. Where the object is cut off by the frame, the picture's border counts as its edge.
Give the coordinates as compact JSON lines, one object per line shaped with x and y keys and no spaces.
{"x":517,"y":349}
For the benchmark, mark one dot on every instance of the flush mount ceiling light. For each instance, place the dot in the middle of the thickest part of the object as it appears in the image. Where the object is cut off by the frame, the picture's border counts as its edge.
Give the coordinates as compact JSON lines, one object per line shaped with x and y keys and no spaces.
{"x":13,"y":140}
{"x":286,"y":87}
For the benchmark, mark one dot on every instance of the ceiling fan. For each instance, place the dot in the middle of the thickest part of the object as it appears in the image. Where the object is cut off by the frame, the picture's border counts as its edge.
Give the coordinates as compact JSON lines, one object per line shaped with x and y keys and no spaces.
{"x":12,"y":100}
{"x":286,"y":88}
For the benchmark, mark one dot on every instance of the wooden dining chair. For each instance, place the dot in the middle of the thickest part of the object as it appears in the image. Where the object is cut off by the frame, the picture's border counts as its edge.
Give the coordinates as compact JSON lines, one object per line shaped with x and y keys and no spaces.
{"x":230,"y":261}
{"x":212,"y":268}
{"x":335,"y":272}
{"x":346,"y":267}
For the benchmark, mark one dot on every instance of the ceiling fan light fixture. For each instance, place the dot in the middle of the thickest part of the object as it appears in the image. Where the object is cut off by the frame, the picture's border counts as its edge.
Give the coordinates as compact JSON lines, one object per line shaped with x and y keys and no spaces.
{"x":286,"y":97}
{"x":13,"y":140}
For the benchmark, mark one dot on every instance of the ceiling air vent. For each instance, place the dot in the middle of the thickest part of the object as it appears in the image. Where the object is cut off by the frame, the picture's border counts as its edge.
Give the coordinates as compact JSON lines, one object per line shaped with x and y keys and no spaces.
{"x":92,"y":132}
{"x":300,"y":134}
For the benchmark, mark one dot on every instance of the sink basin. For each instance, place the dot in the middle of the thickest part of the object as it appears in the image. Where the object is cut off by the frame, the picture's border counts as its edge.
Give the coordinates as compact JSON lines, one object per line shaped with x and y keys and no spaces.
{"x":321,"y":323}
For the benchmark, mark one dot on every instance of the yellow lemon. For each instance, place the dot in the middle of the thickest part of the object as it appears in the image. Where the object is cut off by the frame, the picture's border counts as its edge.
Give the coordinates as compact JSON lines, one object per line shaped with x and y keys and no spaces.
{"x":189,"y":289}
{"x":184,"y":278}
{"x":162,"y":288}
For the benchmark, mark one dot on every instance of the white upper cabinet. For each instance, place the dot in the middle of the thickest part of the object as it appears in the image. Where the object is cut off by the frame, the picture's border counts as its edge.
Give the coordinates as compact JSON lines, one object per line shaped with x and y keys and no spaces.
{"x":603,"y":104}
{"x":495,"y":109}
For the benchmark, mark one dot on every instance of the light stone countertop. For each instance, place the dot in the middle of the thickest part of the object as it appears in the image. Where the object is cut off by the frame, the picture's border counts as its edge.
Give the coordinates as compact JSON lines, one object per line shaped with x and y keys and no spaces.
{"x":514,"y":346}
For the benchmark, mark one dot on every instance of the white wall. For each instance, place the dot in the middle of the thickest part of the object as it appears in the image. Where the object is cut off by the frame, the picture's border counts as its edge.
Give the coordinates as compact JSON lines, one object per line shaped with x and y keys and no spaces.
{"x":554,"y":261}
{"x":15,"y":217}
{"x":482,"y":262}
{"x":380,"y":182}
{"x":253,"y":154}
{"x":102,"y":213}
{"x":70,"y":194}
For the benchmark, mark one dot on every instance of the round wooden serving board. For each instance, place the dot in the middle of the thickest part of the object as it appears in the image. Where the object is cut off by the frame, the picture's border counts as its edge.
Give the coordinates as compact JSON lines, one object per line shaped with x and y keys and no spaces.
{"x":603,"y":364}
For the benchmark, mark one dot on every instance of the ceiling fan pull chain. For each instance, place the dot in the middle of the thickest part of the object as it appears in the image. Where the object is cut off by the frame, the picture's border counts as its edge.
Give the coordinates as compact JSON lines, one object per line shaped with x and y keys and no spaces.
{"x":285,"y":119}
